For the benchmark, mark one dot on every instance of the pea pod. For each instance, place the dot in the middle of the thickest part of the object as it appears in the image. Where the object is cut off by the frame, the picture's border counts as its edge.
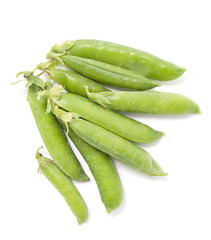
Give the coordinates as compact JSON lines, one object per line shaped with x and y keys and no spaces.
{"x":53,"y":135}
{"x":71,"y":81}
{"x":107,"y":73}
{"x":146,"y":102}
{"x":103,"y":170}
{"x":121,"y":125}
{"x":116,"y":146}
{"x":65,"y":187}
{"x":126,"y":57}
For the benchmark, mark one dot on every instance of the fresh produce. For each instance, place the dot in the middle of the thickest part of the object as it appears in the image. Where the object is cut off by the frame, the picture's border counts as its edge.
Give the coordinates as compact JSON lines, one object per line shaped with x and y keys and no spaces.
{"x":65,"y":186}
{"x":52,"y":132}
{"x":104,"y":140}
{"x":71,"y":81}
{"x":80,"y":107}
{"x":126,"y":57}
{"x":145,"y":102}
{"x":107,"y":73}
{"x":103,"y":170}
{"x":123,"y":126}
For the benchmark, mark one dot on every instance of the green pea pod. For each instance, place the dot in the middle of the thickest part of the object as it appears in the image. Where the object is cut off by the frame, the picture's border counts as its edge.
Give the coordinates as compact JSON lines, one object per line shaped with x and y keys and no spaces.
{"x":121,"y":125}
{"x":71,"y":81}
{"x":146,"y":102}
{"x":116,"y":147}
{"x":126,"y":57}
{"x":104,"y":172}
{"x":54,"y":137}
{"x":65,"y":187}
{"x":107,"y":73}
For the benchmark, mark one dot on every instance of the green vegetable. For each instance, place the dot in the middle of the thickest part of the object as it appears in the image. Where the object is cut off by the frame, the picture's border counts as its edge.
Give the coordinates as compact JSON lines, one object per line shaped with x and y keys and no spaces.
{"x":71,"y":81}
{"x":65,"y":186}
{"x":107,"y":73}
{"x":145,"y":102}
{"x":53,"y":135}
{"x":104,"y":172}
{"x":123,"y":126}
{"x":116,"y":146}
{"x":126,"y":57}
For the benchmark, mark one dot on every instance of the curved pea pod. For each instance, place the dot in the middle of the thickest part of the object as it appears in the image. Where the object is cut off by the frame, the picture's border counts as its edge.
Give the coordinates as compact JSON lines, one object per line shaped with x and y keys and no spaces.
{"x":71,"y":81}
{"x":108,"y":74}
{"x":104,"y":172}
{"x":126,"y":57}
{"x":65,"y":187}
{"x":54,"y":137}
{"x":121,"y":125}
{"x":146,"y":102}
{"x":116,"y":146}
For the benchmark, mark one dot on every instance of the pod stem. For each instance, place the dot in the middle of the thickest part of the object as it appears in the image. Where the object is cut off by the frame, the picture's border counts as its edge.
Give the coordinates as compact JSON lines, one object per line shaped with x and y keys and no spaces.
{"x":64,"y":116}
{"x":42,"y":160}
{"x":59,"y":50}
{"x":48,"y":84}
{"x":48,"y":67}
{"x":52,"y":95}
{"x":31,"y":79}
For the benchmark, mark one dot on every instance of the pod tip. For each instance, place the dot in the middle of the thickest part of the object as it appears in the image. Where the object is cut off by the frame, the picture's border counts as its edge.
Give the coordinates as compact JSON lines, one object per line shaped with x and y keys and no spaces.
{"x":161,"y":174}
{"x":198,"y":111}
{"x":80,"y":222}
{"x":109,"y":210}
{"x":182,"y":70}
{"x":160,"y":134}
{"x":85,"y":178}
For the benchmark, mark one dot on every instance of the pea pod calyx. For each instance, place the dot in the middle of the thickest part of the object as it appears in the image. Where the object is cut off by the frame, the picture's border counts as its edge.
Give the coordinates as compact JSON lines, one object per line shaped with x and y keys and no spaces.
{"x":47,"y":66}
{"x":31,"y":79}
{"x":51,"y":95}
{"x":64,"y":116}
{"x":42,"y":160}
{"x":59,"y":50}
{"x":99,"y":98}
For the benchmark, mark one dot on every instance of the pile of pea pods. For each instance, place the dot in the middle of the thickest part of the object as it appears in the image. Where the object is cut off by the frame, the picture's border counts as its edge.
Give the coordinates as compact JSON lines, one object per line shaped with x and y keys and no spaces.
{"x":73,"y":103}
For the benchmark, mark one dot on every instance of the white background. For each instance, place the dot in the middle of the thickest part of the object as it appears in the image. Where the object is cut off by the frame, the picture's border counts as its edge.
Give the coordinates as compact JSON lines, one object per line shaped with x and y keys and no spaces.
{"x":168,"y":208}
